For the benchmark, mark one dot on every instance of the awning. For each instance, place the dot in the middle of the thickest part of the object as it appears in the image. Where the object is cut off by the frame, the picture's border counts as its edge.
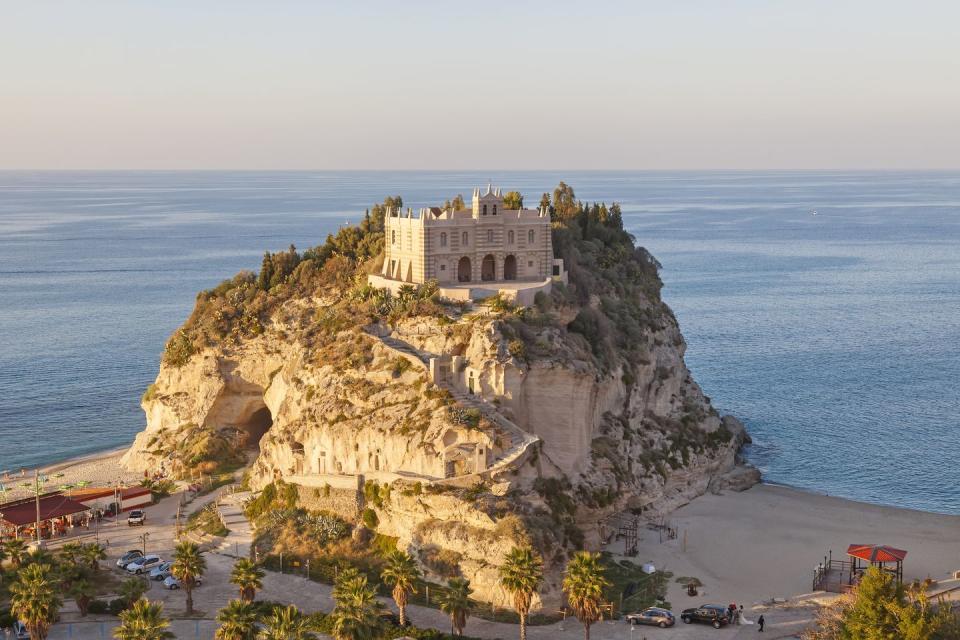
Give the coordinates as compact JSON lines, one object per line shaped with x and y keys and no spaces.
{"x":52,"y":505}
{"x":876,"y":553}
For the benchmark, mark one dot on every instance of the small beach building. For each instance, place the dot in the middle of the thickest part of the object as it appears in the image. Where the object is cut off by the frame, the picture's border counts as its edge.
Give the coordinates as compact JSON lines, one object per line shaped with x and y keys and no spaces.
{"x":55,"y":512}
{"x":881,"y":556}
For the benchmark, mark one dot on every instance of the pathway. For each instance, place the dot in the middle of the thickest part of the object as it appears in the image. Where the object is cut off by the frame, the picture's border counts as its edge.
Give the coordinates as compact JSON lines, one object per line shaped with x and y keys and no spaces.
{"x":518,"y":442}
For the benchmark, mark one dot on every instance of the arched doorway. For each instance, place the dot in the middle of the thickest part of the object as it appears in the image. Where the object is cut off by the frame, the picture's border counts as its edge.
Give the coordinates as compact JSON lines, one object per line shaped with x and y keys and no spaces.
{"x":510,"y":268}
{"x":463,"y":270}
{"x":488,"y":268}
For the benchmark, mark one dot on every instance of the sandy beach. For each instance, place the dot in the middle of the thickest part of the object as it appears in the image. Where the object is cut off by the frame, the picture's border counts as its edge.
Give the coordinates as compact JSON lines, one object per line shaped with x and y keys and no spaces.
{"x":763,"y":543}
{"x":97,"y":469}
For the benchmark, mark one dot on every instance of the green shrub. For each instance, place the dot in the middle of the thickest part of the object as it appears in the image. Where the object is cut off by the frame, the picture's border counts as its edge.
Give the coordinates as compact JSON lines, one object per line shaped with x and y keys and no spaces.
{"x":118,"y":605}
{"x":370,"y":519}
{"x":517,"y":349}
{"x":95,"y":607}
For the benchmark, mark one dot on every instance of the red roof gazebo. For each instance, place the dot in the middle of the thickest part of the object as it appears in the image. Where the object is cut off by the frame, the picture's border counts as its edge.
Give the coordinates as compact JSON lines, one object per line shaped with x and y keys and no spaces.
{"x":877,"y":555}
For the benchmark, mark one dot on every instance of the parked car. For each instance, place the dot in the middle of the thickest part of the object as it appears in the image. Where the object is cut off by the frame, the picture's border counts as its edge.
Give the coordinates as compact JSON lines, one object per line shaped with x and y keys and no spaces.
{"x":654,"y":616}
{"x":145,"y":563}
{"x":161,"y":571}
{"x":172,"y":582}
{"x":129,"y":557}
{"x":714,"y":614}
{"x":137,"y":516}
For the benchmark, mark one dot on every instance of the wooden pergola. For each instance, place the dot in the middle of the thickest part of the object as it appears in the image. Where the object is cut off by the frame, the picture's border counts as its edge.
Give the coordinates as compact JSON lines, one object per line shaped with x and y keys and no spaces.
{"x":877,"y":555}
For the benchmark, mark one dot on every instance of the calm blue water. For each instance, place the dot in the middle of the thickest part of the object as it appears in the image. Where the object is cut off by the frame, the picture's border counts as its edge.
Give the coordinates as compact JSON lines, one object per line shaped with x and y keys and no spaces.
{"x":836,"y":337}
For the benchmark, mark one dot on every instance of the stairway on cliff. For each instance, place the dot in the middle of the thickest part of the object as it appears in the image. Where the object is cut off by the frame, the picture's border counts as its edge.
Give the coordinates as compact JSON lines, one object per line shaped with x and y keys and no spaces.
{"x":515,"y":443}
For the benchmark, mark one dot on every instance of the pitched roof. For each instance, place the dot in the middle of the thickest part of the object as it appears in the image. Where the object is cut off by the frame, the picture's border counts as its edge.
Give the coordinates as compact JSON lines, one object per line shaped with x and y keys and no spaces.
{"x":52,"y":505}
{"x":876,"y":553}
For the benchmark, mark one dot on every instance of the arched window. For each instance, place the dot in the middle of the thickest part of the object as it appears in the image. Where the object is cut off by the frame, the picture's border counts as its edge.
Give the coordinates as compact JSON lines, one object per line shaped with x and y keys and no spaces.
{"x":443,"y":239}
{"x":494,"y":209}
{"x":489,"y":235}
{"x":393,"y":237}
{"x":464,"y":239}
{"x":484,"y":209}
{"x":510,"y":237}
{"x":530,"y":236}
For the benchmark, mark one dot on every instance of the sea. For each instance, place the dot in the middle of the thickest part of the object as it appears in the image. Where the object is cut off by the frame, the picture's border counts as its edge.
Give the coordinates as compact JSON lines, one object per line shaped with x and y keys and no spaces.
{"x":822,"y":309}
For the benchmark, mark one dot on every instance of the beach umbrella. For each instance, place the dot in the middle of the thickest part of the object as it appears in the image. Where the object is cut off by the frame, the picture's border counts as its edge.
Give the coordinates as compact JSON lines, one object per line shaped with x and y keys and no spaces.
{"x":66,"y":487}
{"x":83,"y":483}
{"x":59,"y":475}
{"x":26,"y":485}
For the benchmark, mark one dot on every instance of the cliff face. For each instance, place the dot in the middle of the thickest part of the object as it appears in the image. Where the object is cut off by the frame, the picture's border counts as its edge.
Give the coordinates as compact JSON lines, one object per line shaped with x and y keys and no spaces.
{"x":489,"y":427}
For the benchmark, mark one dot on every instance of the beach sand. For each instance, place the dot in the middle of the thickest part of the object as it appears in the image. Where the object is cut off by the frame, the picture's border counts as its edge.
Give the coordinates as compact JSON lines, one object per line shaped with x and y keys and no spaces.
{"x":98,"y":469}
{"x":764,"y":543}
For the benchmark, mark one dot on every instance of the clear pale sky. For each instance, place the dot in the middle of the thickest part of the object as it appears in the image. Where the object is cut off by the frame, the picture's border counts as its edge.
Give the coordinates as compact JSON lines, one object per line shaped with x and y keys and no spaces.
{"x":671,"y":84}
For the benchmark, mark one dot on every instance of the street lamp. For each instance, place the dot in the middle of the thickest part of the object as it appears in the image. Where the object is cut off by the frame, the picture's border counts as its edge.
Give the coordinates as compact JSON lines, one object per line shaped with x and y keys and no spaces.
{"x":143,"y":540}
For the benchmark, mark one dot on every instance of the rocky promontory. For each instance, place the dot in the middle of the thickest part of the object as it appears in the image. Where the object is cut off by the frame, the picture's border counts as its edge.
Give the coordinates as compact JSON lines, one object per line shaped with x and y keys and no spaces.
{"x":581,"y":405}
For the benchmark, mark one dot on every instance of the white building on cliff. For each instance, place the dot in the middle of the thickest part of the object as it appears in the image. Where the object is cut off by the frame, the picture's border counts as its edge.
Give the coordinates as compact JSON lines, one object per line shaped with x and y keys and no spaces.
{"x":472,"y":253}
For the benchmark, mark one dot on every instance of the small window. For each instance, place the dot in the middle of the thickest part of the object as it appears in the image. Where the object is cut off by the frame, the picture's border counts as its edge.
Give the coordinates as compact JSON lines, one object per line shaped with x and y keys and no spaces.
{"x":443,"y":267}
{"x":484,"y":209}
{"x":530,"y":263}
{"x":530,"y":236}
{"x":443,"y":239}
{"x":494,"y":209}
{"x":393,"y":237}
{"x":509,"y":237}
{"x":489,"y":235}
{"x":464,"y":239}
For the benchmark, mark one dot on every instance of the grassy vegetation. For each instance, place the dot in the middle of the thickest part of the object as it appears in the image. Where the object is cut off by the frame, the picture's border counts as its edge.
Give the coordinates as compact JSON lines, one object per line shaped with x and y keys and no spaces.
{"x":207,"y":520}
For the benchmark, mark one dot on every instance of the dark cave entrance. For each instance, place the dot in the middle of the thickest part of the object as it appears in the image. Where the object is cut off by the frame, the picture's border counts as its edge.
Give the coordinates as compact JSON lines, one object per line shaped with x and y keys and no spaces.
{"x":256,"y":425}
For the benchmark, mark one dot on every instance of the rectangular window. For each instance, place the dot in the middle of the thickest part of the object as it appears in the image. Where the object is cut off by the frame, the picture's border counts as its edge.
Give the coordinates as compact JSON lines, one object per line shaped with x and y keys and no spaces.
{"x":530,"y":263}
{"x":443,"y":267}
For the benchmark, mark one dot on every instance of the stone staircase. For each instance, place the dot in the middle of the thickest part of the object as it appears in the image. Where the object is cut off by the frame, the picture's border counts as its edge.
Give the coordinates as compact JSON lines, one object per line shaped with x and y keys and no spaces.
{"x":519,"y":442}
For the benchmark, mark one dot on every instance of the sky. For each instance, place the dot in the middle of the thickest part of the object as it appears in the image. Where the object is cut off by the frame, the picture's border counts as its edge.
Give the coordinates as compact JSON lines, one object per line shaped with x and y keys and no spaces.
{"x":671,"y":84}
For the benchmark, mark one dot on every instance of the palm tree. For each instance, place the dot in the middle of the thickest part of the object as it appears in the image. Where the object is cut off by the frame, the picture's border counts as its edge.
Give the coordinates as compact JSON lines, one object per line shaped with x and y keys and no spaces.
{"x":82,"y":593}
{"x":402,"y":574}
{"x":70,"y":552}
{"x":39,"y":556}
{"x":357,"y":610}
{"x":521,"y":575}
{"x":16,"y":550}
{"x":188,"y":566}
{"x":287,"y":623}
{"x":35,"y":599}
{"x":143,"y":621}
{"x":132,"y":589}
{"x":584,"y":583}
{"x":455,"y":602}
{"x":248,"y":577}
{"x":93,"y":554}
{"x":238,"y":621}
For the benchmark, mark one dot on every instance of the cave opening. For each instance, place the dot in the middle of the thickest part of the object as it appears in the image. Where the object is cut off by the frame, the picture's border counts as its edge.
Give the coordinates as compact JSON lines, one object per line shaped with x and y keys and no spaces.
{"x":256,"y":426}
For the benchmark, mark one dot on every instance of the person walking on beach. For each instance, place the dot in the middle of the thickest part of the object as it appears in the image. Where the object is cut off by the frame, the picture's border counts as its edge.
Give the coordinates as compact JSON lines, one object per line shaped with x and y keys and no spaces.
{"x":760,"y":622}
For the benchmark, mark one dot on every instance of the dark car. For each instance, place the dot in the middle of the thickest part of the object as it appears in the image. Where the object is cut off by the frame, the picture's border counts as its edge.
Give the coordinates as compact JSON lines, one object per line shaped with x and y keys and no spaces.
{"x":652,"y":616}
{"x":714,"y":614}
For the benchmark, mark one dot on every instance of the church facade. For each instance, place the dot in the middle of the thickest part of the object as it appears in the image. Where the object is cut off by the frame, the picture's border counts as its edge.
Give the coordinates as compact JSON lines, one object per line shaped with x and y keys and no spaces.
{"x":486,"y":243}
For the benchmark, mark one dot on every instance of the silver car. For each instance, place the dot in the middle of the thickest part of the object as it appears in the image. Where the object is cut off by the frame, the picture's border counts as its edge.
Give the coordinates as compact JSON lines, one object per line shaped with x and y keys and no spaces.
{"x":172,"y":582}
{"x":161,"y":571}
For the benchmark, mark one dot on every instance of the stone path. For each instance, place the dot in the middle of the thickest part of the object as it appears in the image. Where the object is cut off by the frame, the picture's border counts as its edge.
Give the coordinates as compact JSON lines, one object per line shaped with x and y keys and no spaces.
{"x":519,"y":440}
{"x":238,"y":542}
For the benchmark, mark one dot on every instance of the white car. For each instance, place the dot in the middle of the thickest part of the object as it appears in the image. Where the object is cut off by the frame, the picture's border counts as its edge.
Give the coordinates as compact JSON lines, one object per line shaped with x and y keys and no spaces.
{"x":173,"y":583}
{"x":136,"y":517}
{"x":145,"y":563}
{"x":161,"y":571}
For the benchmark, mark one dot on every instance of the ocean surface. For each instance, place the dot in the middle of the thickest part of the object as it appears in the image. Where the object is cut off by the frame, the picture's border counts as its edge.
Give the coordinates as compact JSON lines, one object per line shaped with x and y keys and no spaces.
{"x":835,"y":337}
